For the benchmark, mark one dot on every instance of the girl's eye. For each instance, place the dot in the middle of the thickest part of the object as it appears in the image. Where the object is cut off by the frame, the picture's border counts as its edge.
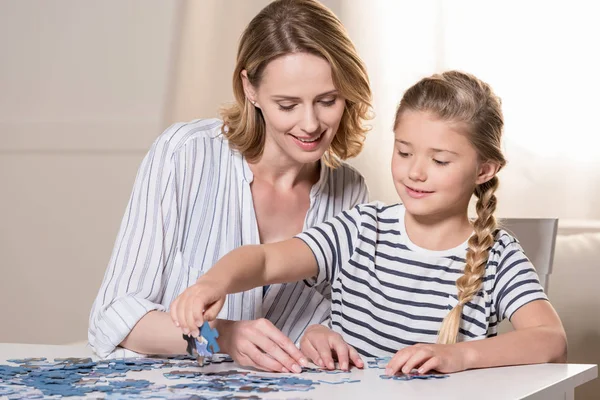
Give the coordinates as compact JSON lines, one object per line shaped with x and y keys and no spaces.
{"x":403,"y":155}
{"x":286,"y":108}
{"x":441,"y":162}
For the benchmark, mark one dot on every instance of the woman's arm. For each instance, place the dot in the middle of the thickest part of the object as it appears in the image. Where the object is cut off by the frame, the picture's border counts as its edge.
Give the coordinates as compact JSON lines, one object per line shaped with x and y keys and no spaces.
{"x":156,"y":334}
{"x":131,"y":287}
{"x":242,"y":269}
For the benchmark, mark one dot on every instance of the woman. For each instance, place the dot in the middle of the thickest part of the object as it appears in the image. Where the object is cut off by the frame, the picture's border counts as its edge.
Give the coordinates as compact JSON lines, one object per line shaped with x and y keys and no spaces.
{"x":271,"y":168}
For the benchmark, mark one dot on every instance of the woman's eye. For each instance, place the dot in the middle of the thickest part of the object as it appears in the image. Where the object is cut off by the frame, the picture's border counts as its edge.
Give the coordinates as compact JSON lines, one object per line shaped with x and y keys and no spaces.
{"x":328,"y":103}
{"x":286,"y":108}
{"x":404,"y":155}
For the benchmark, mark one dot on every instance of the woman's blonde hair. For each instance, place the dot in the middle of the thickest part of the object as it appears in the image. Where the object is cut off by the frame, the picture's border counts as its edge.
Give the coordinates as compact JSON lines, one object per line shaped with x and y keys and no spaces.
{"x":293,"y":26}
{"x":462,"y":98}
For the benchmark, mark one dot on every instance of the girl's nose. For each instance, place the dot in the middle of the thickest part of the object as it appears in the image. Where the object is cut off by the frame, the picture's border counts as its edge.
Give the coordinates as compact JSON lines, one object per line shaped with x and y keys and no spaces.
{"x":417,"y":171}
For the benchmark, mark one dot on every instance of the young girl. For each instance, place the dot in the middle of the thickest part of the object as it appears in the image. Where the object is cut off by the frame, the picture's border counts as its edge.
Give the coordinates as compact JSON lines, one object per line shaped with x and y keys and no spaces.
{"x":416,"y":279}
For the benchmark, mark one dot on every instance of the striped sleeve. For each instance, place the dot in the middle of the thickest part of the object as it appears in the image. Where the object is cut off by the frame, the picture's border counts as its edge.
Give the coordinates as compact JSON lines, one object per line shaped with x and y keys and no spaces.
{"x":517,"y":283}
{"x":332,"y":243}
{"x":145,"y":243}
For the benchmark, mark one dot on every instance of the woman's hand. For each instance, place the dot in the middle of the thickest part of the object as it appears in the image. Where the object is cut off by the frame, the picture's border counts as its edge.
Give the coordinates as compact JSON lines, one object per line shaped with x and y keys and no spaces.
{"x":319,"y":343}
{"x":443,"y":358}
{"x":261,"y":345}
{"x":200,"y":302}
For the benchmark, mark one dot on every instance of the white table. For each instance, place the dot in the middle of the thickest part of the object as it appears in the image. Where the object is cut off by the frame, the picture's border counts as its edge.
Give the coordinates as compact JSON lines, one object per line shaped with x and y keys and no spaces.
{"x":543,"y":381}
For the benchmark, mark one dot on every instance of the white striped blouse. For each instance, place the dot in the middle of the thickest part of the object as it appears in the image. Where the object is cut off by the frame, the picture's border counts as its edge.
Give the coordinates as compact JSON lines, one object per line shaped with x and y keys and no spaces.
{"x":191,"y":204}
{"x":388,"y":293}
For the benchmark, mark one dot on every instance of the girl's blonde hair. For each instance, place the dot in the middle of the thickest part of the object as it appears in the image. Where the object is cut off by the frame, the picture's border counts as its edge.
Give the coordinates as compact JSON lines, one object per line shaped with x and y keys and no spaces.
{"x":294,"y":26}
{"x":462,"y":98}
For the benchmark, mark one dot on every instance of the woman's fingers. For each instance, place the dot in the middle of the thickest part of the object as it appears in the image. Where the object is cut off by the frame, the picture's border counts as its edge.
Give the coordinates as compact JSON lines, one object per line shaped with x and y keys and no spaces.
{"x":261,"y":360}
{"x":279,"y":350}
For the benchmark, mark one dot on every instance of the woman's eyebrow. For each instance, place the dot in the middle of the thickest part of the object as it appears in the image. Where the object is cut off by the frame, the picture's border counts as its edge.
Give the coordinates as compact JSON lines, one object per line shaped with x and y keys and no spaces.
{"x":284,"y":97}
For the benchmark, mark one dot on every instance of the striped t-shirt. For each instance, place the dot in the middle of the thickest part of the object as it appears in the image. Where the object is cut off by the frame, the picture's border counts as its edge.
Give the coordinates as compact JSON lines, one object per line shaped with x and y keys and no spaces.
{"x":192,"y":204}
{"x":387,"y":293}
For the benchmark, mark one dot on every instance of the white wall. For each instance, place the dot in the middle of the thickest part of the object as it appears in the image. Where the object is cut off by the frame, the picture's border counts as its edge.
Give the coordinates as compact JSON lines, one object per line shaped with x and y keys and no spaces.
{"x":83,"y":88}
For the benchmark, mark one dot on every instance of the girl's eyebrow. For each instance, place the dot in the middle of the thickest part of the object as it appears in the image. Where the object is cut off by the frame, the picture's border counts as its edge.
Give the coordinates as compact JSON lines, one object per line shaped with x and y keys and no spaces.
{"x":284,"y":97}
{"x":404,"y":142}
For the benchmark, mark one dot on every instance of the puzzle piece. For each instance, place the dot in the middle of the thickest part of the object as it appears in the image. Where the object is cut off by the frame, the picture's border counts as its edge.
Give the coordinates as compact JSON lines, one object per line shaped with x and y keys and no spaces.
{"x":205,"y":345}
{"x":311,"y":370}
{"x":411,"y":376}
{"x":379,"y":362}
{"x":345,"y":380}
{"x":211,"y":335}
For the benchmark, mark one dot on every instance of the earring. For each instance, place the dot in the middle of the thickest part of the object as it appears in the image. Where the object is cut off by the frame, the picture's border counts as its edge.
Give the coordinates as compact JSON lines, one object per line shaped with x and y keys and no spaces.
{"x":253,"y":102}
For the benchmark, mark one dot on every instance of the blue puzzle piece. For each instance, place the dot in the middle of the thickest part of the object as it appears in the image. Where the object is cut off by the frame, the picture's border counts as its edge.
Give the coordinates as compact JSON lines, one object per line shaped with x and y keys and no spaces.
{"x":211,"y":336}
{"x":409,"y":377}
{"x":202,"y":349}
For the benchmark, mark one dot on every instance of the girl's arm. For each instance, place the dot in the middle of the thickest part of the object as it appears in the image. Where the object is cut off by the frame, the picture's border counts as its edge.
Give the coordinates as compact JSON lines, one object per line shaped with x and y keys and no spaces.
{"x":539,"y":337}
{"x":242,"y":269}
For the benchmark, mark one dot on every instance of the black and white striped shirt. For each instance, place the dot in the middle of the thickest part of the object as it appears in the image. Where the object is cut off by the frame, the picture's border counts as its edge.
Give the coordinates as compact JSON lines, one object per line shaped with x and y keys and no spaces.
{"x":387,"y":293}
{"x":191,"y":204}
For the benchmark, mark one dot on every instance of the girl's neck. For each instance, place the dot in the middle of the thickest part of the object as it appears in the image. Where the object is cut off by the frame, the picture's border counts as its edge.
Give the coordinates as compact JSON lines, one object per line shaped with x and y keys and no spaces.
{"x":438,"y":232}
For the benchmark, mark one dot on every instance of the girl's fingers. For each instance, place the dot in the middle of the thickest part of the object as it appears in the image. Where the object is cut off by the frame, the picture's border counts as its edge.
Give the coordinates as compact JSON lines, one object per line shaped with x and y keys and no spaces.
{"x":173,"y":312}
{"x":398,"y":361}
{"x":324,"y":350}
{"x":417,"y":359}
{"x":431,"y":364}
{"x":311,"y":352}
{"x":355,"y":357}
{"x":341,"y":350}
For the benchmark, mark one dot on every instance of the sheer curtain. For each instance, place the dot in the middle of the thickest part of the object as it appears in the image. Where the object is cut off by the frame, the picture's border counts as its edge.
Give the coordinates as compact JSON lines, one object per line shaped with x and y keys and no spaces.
{"x":541,"y":59}
{"x":538,"y":56}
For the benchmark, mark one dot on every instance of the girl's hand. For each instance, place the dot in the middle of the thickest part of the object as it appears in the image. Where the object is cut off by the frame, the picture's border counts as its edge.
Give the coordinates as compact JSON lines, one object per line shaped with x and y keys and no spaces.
{"x":318,"y":343}
{"x":200,"y":302}
{"x":443,"y":358}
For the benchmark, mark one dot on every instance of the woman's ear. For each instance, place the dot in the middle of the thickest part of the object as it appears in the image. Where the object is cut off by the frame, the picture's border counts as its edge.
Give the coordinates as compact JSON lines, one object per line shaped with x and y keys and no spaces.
{"x":249,"y":90}
{"x":487,"y":171}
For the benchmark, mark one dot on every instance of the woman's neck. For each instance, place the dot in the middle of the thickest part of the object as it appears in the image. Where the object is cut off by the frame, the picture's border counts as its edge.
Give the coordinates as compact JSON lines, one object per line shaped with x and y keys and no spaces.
{"x":279,"y":170}
{"x":438,"y":232}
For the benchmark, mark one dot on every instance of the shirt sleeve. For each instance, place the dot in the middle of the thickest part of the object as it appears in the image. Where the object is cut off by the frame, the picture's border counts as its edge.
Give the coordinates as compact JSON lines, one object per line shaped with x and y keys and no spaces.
{"x":332,"y":243}
{"x":132,"y":285}
{"x":362,"y":194}
{"x":517,"y":283}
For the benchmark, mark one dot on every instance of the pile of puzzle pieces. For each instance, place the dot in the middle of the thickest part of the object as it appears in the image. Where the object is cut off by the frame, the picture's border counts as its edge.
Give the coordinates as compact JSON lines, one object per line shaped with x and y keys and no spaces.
{"x":39,"y":378}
